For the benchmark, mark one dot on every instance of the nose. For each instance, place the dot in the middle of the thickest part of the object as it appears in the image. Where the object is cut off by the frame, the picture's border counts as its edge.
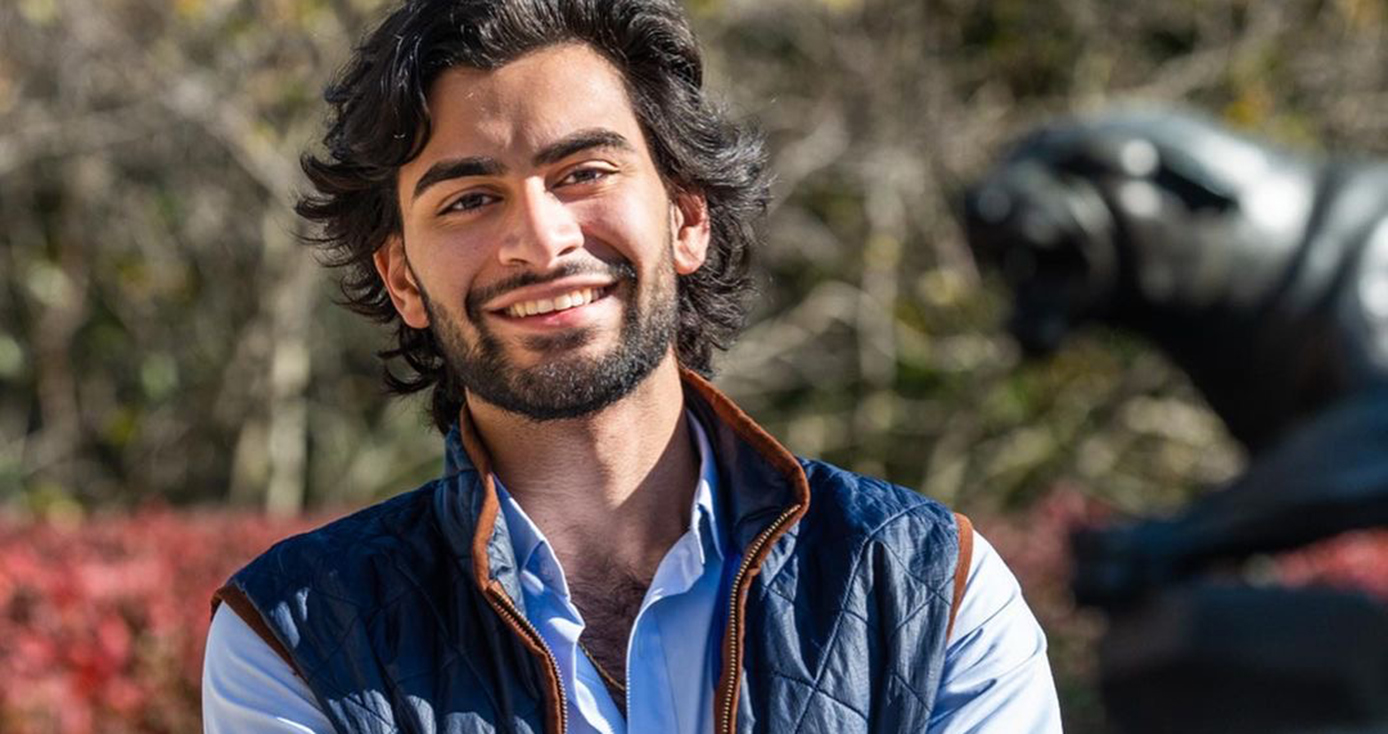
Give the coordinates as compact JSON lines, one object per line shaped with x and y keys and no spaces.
{"x":545,"y":229}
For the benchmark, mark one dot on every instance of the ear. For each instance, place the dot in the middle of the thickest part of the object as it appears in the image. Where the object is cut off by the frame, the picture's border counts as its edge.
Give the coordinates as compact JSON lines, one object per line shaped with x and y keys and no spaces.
{"x":689,"y":225}
{"x":394,"y":269}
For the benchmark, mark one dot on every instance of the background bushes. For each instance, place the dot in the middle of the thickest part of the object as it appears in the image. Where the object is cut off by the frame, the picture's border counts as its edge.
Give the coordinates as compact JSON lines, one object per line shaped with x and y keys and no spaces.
{"x":102,"y":622}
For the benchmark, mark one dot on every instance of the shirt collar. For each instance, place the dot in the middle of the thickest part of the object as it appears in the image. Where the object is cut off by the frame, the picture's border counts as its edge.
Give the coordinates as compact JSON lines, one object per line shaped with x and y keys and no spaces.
{"x":527,"y":539}
{"x":703,"y":517}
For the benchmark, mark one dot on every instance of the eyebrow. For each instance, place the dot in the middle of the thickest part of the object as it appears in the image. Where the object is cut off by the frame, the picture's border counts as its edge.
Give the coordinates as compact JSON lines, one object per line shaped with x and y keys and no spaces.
{"x":452,"y":168}
{"x":580,"y":141}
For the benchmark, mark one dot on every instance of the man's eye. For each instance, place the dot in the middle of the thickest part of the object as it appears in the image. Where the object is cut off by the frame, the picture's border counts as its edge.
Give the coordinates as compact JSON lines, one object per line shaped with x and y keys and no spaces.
{"x":469,"y":202}
{"x":585,"y":175}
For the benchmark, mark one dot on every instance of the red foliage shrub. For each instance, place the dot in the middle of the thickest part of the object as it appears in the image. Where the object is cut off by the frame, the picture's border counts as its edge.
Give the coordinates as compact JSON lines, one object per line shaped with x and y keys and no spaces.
{"x":1351,"y":561}
{"x":102,"y":623}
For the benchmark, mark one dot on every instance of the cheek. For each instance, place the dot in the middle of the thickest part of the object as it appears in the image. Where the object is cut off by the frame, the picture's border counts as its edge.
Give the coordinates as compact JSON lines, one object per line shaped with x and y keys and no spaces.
{"x":633,"y":229}
{"x":446,"y":269}
{"x":446,"y":260}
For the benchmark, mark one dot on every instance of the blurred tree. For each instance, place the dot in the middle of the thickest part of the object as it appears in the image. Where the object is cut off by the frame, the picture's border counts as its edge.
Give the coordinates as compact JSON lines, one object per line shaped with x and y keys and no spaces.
{"x":159,"y":335}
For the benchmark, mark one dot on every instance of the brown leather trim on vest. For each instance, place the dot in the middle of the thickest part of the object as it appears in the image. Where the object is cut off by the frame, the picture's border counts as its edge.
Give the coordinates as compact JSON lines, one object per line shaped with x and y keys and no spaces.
{"x":726,"y":695}
{"x":481,"y":568}
{"x":533,"y":642}
{"x":491,"y":506}
{"x":743,"y":425}
{"x":241,"y":604}
{"x":961,"y":567}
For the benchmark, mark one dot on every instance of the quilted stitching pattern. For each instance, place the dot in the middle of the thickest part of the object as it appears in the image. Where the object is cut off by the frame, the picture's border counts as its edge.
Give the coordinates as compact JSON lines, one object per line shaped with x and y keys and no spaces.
{"x":848,"y":634}
{"x":845,"y":623}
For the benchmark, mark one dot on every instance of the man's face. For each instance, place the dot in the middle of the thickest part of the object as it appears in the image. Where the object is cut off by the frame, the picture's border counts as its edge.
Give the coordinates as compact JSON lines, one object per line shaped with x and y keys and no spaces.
{"x":538,"y":241}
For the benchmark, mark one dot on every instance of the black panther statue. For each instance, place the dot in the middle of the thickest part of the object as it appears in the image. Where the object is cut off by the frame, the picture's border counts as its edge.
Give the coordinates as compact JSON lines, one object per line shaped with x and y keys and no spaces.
{"x":1263,"y":274}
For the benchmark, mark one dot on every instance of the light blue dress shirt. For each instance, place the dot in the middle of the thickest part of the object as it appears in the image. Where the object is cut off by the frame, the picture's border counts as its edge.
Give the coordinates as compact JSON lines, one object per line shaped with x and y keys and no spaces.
{"x":995,"y":679}
{"x":673,"y":651}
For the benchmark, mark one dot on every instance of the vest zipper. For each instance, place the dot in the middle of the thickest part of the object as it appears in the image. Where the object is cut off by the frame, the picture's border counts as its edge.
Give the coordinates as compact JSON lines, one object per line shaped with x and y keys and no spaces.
{"x":727,"y":722}
{"x":507,"y":608}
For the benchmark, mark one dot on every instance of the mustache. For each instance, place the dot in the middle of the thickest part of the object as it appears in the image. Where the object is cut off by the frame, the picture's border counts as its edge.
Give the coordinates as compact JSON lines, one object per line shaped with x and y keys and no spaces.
{"x":618,"y":271}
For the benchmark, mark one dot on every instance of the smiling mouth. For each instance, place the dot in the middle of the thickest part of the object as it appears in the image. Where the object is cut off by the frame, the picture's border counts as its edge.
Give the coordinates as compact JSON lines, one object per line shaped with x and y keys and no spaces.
{"x":575,"y":299}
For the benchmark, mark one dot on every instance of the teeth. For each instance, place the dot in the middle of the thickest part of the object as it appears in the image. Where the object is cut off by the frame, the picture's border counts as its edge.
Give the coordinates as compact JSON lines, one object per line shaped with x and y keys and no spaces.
{"x":580,"y":297}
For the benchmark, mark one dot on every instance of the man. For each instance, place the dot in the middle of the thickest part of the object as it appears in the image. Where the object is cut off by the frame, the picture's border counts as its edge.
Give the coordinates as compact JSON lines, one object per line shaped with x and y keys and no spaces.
{"x":539,"y":197}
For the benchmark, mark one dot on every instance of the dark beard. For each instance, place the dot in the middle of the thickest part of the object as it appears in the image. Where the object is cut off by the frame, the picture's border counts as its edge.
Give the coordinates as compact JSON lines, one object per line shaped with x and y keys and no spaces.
{"x":566,"y":386}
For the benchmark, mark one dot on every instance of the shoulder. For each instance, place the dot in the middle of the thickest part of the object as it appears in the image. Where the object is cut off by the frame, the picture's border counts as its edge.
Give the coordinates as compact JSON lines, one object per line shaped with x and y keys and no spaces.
{"x":314,"y":595}
{"x":333,"y":571}
{"x":360,"y":540}
{"x":858,"y":525}
{"x":874,"y":507}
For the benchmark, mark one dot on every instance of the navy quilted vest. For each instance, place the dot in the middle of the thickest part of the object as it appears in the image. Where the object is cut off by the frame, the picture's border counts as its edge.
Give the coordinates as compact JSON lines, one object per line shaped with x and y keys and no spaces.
{"x":407,"y":617}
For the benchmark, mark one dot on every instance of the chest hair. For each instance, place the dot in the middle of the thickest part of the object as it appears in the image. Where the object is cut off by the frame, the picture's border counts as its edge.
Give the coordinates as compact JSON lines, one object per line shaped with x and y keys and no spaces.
{"x":608,"y":597}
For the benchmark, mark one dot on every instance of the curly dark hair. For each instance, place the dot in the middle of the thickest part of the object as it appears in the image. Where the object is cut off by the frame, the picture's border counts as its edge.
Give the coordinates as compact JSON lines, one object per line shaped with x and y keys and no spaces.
{"x":379,"y":121}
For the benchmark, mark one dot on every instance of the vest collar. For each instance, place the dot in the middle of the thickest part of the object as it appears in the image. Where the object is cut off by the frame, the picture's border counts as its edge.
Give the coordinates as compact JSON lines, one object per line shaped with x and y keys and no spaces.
{"x":758,"y":477}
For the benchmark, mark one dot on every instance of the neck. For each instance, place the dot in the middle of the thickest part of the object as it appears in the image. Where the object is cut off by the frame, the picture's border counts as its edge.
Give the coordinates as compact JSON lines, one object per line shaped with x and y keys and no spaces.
{"x":612,"y":487}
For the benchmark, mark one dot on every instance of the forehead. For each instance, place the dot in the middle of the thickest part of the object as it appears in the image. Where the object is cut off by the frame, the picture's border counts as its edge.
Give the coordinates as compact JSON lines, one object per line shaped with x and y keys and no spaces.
{"x":512,"y":110}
